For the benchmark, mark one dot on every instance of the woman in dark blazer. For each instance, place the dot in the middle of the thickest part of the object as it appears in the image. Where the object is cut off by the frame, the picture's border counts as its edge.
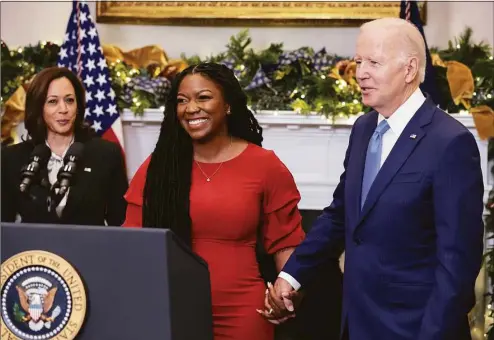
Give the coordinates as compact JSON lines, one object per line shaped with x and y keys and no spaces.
{"x":55,"y":108}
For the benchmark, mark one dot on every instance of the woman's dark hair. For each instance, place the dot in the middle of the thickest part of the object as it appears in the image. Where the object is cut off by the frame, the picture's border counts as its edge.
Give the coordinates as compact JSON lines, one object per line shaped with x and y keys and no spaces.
{"x":166,"y":193}
{"x":36,"y":98}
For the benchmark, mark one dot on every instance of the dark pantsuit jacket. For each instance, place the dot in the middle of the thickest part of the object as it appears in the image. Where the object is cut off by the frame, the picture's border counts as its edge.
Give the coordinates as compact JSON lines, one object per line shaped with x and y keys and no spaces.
{"x":95,"y":198}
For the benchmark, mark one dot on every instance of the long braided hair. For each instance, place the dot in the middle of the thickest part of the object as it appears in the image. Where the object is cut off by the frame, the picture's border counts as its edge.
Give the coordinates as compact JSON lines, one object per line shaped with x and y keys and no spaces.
{"x":168,"y":180}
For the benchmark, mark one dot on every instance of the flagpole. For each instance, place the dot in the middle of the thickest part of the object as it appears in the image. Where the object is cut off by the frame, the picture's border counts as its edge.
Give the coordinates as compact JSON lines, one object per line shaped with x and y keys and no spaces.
{"x":79,"y":67}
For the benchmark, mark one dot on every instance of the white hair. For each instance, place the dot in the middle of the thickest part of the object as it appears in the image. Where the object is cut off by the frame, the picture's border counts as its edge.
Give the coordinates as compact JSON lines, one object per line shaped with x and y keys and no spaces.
{"x":410,"y":37}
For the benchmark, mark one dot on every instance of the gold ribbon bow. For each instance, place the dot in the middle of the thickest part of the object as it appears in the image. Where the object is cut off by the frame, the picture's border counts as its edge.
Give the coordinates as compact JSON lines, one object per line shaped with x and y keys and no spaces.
{"x":483,"y":117}
{"x":460,"y":80}
{"x":140,"y":57}
{"x":152,"y":57}
{"x":14,"y":113}
{"x":461,"y":87}
{"x":345,"y":70}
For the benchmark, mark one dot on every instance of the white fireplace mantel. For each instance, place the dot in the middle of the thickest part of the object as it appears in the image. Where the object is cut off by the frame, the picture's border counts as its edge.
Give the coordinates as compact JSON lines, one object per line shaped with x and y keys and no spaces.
{"x":312,"y":147}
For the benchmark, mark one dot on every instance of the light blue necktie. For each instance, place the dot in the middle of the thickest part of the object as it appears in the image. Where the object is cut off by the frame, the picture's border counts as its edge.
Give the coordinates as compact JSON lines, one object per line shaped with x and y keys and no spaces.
{"x":373,"y":158}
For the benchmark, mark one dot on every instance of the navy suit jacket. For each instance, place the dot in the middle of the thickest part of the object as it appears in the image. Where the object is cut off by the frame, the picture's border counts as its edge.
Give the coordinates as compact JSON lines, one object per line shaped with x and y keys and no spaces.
{"x":413,"y":252}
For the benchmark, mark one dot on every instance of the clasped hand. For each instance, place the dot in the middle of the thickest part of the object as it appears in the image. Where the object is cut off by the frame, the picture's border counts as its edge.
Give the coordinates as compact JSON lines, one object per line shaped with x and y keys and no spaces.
{"x":280,"y":302}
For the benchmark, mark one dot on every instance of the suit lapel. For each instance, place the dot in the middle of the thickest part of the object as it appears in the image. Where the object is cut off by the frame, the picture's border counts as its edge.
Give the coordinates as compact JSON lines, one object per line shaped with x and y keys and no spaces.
{"x":406,"y":143}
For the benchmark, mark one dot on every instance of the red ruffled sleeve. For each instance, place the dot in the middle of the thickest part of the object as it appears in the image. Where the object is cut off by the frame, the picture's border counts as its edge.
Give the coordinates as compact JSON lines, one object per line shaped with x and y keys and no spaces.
{"x":282,"y":219}
{"x":134,"y":197}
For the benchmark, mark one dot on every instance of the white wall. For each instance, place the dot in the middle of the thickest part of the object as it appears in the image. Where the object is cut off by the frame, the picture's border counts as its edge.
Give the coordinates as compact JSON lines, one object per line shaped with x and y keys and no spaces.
{"x":29,"y":22}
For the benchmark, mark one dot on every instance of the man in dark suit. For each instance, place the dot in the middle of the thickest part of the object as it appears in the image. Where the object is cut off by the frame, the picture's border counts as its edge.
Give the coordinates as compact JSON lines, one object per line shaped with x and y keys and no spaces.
{"x":408,"y":207}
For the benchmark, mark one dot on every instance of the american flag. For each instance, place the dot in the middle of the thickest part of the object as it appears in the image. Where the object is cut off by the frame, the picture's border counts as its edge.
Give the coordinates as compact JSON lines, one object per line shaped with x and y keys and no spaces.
{"x":409,"y":11}
{"x":81,"y":52}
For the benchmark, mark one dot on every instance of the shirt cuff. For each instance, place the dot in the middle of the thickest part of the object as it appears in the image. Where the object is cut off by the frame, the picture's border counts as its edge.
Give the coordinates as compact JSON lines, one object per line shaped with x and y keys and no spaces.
{"x":287,"y":277}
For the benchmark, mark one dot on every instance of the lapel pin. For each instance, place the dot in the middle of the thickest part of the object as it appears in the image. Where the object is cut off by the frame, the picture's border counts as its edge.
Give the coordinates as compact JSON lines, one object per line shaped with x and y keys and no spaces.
{"x":413,"y":136}
{"x":87,"y":169}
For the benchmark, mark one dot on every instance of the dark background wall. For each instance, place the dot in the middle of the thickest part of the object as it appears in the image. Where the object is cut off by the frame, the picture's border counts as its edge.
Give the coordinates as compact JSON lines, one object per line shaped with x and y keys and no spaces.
{"x":308,"y":217}
{"x":319,"y":316}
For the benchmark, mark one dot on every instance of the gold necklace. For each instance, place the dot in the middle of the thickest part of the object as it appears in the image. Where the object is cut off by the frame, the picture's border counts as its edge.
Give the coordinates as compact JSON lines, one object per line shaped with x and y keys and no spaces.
{"x":208,"y":178}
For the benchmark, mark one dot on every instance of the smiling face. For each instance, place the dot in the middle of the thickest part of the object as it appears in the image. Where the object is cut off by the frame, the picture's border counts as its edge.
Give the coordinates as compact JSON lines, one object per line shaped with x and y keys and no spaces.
{"x":201,"y":108}
{"x":60,"y":108}
{"x":381,"y":70}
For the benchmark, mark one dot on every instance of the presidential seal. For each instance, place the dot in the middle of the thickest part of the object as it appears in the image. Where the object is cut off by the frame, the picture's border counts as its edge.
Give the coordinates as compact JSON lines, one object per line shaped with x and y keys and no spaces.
{"x":43,"y":297}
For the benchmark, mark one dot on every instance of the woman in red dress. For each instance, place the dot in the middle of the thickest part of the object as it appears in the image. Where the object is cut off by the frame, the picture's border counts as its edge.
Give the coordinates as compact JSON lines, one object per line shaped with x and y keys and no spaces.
{"x":210,"y":182}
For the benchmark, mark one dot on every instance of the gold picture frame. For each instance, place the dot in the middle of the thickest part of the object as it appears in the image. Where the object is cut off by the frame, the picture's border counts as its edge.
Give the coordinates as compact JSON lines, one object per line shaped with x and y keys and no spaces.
{"x":242,"y":13}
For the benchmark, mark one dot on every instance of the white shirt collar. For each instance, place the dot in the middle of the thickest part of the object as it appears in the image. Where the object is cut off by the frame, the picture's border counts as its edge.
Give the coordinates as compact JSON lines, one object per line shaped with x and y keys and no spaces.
{"x":54,"y":155}
{"x":400,"y":118}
